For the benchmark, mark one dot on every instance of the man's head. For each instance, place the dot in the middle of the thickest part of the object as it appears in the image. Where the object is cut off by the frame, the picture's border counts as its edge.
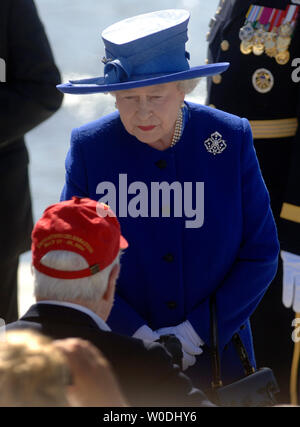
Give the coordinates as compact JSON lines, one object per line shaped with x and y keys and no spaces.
{"x":75,"y":254}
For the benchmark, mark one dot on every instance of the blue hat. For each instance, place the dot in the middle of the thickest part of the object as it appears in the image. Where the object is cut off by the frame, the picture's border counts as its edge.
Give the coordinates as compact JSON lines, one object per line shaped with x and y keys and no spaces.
{"x":145,"y":50}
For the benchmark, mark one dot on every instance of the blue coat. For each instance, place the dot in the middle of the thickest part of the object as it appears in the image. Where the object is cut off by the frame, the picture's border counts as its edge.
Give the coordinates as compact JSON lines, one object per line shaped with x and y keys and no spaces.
{"x":169,"y":271}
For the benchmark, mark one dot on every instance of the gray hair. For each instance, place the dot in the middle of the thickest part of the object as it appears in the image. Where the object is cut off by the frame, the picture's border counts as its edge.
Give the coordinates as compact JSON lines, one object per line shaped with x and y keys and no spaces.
{"x":187,"y":86}
{"x":87,"y":289}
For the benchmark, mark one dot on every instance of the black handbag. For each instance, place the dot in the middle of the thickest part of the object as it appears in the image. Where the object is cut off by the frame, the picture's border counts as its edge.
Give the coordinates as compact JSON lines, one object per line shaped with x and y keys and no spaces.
{"x":257,"y":388}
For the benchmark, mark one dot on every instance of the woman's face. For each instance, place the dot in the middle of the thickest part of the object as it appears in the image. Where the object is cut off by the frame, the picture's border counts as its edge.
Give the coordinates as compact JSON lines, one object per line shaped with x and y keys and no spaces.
{"x":149,"y":113}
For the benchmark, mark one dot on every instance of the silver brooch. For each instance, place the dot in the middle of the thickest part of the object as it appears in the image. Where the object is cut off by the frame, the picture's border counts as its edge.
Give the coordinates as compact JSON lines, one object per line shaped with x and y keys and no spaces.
{"x":215,"y":144}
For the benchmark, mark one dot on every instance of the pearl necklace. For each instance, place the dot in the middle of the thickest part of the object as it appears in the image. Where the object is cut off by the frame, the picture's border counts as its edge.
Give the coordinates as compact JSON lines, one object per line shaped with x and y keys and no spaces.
{"x":178,"y":129}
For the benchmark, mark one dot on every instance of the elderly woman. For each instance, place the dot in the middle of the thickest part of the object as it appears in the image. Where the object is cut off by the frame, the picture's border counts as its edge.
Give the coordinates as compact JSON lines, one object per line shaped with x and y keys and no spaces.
{"x":185,"y":183}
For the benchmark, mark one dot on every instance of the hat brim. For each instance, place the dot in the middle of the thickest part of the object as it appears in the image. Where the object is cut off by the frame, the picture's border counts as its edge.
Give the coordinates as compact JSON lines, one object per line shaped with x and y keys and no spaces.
{"x":97,"y":84}
{"x":123,"y":243}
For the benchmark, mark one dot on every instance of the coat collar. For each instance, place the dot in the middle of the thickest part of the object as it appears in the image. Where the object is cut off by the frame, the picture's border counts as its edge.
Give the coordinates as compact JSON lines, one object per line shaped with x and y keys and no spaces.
{"x":58,"y":314}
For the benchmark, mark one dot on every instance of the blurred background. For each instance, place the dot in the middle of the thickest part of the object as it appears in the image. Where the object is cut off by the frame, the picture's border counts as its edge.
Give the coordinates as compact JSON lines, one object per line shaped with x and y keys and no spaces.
{"x":74,"y":30}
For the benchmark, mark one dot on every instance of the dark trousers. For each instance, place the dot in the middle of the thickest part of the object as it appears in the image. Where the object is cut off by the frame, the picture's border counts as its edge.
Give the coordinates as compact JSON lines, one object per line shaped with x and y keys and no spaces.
{"x":9,"y":290}
{"x":272,"y":335}
{"x":272,"y":322}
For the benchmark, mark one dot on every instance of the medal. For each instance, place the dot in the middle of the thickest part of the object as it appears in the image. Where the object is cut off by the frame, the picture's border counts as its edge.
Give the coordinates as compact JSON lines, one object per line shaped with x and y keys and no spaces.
{"x":283,"y":43}
{"x":271,"y":52}
{"x":282,"y":58}
{"x":260,"y":35}
{"x":258,"y":49}
{"x":246,"y":47}
{"x":267,"y":30}
{"x":246,"y":32}
{"x":285,"y":30}
{"x":270,"y":41}
{"x":263,"y":80}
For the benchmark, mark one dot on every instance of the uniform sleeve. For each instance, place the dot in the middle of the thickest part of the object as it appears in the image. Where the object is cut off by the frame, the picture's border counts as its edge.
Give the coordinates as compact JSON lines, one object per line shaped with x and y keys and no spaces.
{"x":289,"y":224}
{"x":29,"y":95}
{"x":162,"y":383}
{"x":256,"y":261}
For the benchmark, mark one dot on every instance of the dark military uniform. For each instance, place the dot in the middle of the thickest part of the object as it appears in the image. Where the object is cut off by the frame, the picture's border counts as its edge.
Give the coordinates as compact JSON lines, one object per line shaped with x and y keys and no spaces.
{"x":265,"y":89}
{"x":27,"y":98}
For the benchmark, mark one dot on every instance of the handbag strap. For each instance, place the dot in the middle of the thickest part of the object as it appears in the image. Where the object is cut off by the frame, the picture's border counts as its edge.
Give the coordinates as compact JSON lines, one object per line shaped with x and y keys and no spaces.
{"x":215,"y":353}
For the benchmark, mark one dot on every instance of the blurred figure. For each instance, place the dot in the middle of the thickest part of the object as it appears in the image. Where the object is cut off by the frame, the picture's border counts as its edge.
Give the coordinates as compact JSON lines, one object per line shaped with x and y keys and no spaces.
{"x":261,"y":40}
{"x":76,"y":249}
{"x":33,"y":372}
{"x":93,"y":382}
{"x":36,"y":371}
{"x":27,"y":98}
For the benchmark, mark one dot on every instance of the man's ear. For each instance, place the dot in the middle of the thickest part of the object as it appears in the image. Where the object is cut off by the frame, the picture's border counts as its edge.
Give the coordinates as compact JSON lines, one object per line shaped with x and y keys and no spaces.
{"x":110,"y":290}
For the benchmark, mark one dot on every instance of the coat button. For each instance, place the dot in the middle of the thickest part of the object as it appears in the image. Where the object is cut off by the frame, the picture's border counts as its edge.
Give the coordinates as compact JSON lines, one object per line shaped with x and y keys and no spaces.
{"x":243,"y":327}
{"x":217,"y":78}
{"x":225,"y":45}
{"x":168,"y":257}
{"x":161,"y":164}
{"x":171,"y":305}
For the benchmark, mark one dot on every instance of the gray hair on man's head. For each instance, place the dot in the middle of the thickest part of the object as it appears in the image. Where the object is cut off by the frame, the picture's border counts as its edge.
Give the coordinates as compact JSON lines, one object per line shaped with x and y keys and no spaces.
{"x":87,"y":289}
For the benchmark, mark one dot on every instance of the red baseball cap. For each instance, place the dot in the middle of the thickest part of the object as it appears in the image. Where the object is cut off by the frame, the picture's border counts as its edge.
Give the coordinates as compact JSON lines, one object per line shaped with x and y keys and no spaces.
{"x":79,"y":225}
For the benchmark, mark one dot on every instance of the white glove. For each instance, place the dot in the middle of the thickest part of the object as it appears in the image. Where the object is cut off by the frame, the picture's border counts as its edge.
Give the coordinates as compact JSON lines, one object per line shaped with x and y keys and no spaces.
{"x":291,"y":280}
{"x":189,"y":339}
{"x":145,"y":333}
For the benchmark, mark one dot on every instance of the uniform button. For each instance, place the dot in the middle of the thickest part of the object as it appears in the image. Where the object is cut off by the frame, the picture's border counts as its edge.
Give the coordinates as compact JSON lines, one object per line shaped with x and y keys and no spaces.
{"x":243,"y":327}
{"x":207,"y":61}
{"x":161,"y":164}
{"x":168,"y":257}
{"x":212,"y":106}
{"x":217,"y":78}
{"x":171,"y":305}
{"x":225,"y":45}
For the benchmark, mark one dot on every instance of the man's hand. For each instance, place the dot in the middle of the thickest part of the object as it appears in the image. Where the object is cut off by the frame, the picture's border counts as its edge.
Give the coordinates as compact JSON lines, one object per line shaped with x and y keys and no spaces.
{"x":93,"y":382}
{"x":291,"y":280}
